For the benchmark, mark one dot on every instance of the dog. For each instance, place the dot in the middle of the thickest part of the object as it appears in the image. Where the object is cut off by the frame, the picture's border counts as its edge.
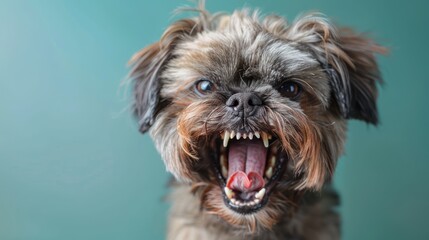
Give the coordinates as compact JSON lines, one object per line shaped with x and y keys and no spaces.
{"x":249,"y":114}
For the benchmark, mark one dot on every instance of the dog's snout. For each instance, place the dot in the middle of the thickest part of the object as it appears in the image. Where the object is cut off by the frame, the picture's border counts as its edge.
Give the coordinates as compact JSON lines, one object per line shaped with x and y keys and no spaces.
{"x":244,"y":104}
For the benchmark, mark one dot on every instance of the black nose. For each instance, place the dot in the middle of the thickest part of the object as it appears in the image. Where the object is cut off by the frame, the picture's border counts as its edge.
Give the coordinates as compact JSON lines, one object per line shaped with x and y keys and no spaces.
{"x":244,"y":104}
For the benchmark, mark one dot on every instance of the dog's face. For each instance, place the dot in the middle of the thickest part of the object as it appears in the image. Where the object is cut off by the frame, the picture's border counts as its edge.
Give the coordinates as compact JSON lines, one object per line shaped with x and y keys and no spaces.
{"x":253,"y":112}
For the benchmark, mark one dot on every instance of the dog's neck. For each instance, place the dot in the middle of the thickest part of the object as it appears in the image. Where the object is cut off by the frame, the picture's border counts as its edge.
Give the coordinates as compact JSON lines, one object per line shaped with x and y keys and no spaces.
{"x":315,"y":219}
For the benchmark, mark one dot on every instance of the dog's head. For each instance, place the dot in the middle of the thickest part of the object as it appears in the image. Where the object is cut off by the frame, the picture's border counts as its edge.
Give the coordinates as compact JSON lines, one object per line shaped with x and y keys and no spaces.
{"x":252,"y":111}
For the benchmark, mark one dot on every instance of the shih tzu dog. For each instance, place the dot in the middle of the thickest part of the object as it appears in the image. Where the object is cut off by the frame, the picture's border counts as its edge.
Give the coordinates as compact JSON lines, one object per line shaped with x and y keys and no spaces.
{"x":249,"y":114}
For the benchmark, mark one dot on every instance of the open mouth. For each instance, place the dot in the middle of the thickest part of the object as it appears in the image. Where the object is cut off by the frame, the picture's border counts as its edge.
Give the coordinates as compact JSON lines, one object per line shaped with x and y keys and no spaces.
{"x":249,"y":166}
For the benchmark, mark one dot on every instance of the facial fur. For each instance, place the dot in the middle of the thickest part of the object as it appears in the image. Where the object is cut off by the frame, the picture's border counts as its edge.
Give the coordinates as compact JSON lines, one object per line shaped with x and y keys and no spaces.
{"x":296,"y":83}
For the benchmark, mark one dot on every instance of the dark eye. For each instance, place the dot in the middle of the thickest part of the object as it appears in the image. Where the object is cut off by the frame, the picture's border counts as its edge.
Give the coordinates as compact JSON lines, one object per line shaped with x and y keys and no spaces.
{"x":290,"y":90}
{"x":204,"y":86}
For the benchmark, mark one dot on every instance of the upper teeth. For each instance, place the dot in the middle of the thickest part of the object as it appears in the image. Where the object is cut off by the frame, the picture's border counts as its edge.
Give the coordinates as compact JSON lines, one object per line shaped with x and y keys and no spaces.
{"x":227,"y":135}
{"x":232,"y":134}
{"x":265,"y":139}
{"x":226,"y":139}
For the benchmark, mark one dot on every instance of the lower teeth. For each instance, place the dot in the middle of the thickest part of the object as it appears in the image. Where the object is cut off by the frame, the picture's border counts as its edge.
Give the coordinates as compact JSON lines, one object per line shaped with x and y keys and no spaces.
{"x":241,"y":204}
{"x":257,"y":198}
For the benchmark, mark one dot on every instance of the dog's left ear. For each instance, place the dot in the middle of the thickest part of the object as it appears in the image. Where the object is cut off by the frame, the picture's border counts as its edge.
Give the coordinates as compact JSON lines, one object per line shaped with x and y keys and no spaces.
{"x":356,"y":98}
{"x":147,"y":66}
{"x":348,"y":59}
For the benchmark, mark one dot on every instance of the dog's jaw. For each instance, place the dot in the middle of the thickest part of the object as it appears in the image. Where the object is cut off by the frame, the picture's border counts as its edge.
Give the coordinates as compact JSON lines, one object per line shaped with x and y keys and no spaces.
{"x":315,"y":219}
{"x":248,"y":167}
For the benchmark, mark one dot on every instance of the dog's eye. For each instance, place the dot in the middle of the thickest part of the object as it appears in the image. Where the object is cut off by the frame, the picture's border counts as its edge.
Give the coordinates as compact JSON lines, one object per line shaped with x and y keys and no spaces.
{"x":290,"y":89}
{"x":204,"y":86}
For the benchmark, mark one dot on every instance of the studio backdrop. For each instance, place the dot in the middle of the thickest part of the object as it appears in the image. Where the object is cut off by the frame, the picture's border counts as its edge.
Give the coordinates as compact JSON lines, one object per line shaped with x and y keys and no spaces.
{"x":74,"y":166}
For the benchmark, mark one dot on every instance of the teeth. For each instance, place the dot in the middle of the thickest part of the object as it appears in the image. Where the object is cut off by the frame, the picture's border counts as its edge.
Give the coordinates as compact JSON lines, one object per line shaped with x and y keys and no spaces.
{"x":227,"y":135}
{"x":223,"y":160}
{"x":239,"y":203}
{"x":265,"y":139}
{"x":272,"y":161}
{"x":223,"y":165}
{"x":270,"y":167}
{"x":232,"y":134}
{"x":229,"y":193}
{"x":224,"y":172}
{"x":269,"y":172}
{"x":257,"y":135}
{"x":260,"y":194}
{"x":226,"y":139}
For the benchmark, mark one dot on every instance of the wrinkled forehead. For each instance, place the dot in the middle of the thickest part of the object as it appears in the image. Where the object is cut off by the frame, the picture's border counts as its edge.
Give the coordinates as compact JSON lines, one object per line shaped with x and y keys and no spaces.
{"x":225,"y":57}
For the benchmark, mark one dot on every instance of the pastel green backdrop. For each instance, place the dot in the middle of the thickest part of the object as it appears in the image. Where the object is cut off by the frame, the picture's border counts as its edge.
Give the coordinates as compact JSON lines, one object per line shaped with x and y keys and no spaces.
{"x":74,"y":166}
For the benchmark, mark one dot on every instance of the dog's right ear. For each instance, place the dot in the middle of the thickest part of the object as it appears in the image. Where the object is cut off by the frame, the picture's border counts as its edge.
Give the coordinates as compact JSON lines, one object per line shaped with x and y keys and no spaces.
{"x":147,"y":66}
{"x":348,"y":59}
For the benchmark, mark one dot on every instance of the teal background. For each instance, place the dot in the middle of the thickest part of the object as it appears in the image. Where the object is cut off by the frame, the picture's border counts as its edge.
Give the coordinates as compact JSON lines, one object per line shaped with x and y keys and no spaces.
{"x":74,"y":166}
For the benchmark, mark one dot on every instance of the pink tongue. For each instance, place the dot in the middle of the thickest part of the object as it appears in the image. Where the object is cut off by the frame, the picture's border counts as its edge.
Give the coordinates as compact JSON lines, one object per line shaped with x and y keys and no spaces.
{"x":246,"y":162}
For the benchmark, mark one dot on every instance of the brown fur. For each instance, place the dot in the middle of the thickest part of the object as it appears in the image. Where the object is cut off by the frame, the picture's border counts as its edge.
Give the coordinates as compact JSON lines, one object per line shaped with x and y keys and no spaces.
{"x":338,"y":73}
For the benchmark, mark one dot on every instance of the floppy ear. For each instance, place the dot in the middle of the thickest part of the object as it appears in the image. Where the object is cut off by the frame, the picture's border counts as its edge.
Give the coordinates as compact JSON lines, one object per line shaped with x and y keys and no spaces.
{"x":348,"y":59}
{"x":363,"y":74}
{"x":147,"y":66}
